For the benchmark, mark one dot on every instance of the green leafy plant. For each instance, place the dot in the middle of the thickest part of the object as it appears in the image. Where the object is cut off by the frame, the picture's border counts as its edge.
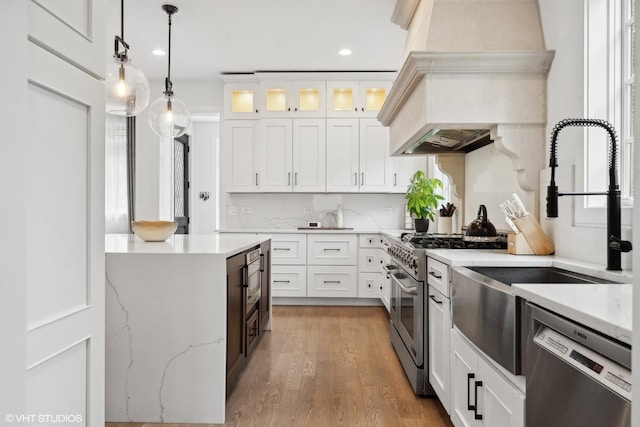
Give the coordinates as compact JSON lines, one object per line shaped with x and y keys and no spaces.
{"x":422,"y":199}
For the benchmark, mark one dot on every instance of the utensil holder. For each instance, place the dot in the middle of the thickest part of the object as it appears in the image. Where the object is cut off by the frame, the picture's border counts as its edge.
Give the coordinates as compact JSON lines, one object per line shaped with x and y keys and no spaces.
{"x":444,"y":224}
{"x":535,"y":237}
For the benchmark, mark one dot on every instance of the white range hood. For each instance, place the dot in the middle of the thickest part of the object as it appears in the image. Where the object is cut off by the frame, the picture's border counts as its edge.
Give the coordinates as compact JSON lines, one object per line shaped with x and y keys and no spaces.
{"x":483,"y":67}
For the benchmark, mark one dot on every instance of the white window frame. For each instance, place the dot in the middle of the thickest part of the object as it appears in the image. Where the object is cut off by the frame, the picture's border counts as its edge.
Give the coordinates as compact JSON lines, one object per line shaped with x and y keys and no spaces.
{"x":608,"y":81}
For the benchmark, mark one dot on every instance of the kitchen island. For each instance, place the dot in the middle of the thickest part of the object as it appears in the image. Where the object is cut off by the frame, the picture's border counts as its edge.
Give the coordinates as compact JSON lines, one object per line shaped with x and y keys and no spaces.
{"x":166,"y":325}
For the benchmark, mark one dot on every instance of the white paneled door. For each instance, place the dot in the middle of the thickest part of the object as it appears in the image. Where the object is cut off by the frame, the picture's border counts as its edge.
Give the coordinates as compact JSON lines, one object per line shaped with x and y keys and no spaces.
{"x":62,"y":239}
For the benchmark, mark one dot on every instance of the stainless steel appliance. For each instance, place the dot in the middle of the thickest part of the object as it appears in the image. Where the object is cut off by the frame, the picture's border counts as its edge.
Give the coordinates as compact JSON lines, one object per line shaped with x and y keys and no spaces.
{"x":487,"y":311}
{"x":252,"y":280}
{"x":575,"y":376}
{"x":408,"y":313}
{"x":409,"y":308}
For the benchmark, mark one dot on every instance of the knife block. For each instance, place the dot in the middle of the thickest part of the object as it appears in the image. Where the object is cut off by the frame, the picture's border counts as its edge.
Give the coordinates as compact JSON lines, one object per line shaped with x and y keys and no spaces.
{"x":533,"y":234}
{"x":517,"y":245}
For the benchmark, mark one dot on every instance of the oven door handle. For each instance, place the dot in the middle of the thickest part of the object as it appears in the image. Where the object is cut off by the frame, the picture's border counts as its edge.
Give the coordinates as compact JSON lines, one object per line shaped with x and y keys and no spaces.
{"x":407,"y":290}
{"x":389,"y":268}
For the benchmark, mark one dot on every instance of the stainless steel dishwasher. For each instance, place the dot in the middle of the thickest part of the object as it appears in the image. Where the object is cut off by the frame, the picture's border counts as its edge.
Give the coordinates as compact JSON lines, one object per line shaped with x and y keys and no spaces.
{"x":575,"y":376}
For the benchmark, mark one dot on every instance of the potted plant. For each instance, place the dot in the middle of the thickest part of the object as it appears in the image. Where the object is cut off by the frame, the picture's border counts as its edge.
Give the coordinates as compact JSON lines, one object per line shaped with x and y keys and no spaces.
{"x":422,"y":200}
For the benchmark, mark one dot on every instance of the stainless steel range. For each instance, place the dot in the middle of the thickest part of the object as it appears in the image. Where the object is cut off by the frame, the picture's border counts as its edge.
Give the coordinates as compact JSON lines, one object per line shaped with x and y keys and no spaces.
{"x":408,"y":311}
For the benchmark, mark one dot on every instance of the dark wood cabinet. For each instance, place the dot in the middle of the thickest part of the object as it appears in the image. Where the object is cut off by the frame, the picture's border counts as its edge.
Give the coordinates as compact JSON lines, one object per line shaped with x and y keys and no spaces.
{"x":235,"y":319}
{"x":265,"y":309}
{"x":244,"y":327}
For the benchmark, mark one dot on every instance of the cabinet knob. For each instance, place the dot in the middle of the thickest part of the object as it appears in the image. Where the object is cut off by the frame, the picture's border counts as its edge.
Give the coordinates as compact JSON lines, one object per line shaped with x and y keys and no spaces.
{"x":355,"y":109}
{"x":295,"y":109}
{"x":256,"y":110}
{"x":289,"y":109}
{"x":362,"y":109}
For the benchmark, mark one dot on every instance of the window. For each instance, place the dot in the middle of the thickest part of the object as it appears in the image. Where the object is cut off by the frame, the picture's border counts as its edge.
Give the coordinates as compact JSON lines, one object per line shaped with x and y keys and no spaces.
{"x":609,"y":37}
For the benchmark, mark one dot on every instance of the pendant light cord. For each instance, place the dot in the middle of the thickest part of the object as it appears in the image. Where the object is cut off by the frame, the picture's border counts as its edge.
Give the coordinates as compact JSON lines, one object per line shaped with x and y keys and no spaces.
{"x":120,"y":39}
{"x":168,"y":85}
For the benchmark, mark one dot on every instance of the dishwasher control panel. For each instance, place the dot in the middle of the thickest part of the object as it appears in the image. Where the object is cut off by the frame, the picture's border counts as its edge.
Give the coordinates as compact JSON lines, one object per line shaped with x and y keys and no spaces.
{"x":608,"y":373}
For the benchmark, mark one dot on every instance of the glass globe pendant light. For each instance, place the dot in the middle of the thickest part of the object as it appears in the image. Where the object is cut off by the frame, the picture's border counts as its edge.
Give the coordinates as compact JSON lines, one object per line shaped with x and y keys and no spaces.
{"x":168,"y":116}
{"x":126,"y":87}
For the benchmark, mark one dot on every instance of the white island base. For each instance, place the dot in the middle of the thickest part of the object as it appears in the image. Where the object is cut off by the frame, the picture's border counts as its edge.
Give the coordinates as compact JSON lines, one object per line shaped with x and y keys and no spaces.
{"x":166,"y":328}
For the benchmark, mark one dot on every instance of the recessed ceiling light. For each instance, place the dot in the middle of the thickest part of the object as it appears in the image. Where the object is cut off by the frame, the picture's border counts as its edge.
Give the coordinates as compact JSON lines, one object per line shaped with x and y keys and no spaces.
{"x":158,"y":52}
{"x":345,"y":52}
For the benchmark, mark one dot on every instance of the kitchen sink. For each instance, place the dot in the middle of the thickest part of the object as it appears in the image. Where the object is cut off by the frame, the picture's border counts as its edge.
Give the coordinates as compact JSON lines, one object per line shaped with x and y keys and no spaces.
{"x":487,"y":311}
{"x":510,"y":275}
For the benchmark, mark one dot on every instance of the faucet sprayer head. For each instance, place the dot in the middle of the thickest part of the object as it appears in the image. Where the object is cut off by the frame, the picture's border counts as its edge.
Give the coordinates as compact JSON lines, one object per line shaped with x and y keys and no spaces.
{"x":552,"y":201}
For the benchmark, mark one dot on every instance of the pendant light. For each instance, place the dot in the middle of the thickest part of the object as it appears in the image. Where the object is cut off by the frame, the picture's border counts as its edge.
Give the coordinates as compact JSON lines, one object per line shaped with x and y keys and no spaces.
{"x":126,"y":87}
{"x":168,"y":116}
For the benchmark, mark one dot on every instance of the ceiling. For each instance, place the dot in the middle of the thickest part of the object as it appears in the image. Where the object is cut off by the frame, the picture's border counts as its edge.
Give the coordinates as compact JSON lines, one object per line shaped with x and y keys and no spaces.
{"x":210,"y":37}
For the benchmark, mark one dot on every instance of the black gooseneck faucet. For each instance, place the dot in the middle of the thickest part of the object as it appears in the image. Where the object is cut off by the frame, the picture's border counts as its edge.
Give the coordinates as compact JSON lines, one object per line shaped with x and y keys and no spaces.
{"x":614,"y":243}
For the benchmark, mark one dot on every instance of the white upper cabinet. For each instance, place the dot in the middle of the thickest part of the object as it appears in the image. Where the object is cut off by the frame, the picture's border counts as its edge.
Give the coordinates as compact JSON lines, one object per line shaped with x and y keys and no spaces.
{"x":240,"y":150}
{"x":403,"y":168}
{"x":241,"y":100}
{"x":375,"y":163}
{"x":298,"y":98}
{"x":292,"y":155}
{"x":309,"y":155}
{"x":357,"y":156}
{"x":356,"y":98}
{"x":343,"y":155}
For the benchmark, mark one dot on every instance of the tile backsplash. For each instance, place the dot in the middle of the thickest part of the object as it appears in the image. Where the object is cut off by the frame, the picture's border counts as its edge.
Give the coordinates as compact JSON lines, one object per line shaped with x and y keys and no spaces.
{"x":277,"y":210}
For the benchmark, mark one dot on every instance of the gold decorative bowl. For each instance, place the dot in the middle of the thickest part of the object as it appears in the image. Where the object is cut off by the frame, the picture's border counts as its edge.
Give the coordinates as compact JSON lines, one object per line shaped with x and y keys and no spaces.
{"x":154,"y":231}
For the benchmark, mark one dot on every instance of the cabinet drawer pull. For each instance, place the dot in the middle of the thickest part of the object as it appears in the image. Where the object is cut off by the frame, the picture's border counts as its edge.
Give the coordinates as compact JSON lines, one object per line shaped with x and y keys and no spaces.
{"x":289,"y":178}
{"x":355,"y":177}
{"x":435,"y":300}
{"x":331,"y":281}
{"x":470,"y":407}
{"x":434,"y":274}
{"x":261,"y":262}
{"x":475,"y":407}
{"x":331,"y":249}
{"x":281,"y":249}
{"x":362,"y":178}
{"x":256,"y":178}
{"x":395,"y":179}
{"x":295,"y":178}
{"x":282,"y":281}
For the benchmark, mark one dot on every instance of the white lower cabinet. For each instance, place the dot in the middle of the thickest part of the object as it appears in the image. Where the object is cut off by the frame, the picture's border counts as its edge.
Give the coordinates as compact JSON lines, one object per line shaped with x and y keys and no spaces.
{"x":332,"y":249}
{"x":289,"y":265}
{"x":439,"y":355}
{"x":289,"y":280}
{"x":480,"y":396}
{"x":370,"y":285}
{"x":332,"y":281}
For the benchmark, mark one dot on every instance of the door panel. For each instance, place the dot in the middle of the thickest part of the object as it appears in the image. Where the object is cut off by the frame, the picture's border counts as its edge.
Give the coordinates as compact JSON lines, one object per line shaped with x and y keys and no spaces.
{"x":72,"y":28}
{"x":240,"y":145}
{"x":65,"y":239}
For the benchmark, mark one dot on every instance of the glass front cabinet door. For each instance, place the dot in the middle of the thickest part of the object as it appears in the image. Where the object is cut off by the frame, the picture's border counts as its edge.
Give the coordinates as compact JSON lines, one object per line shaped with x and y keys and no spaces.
{"x":299,"y":98}
{"x":356,"y":98}
{"x":241,"y":100}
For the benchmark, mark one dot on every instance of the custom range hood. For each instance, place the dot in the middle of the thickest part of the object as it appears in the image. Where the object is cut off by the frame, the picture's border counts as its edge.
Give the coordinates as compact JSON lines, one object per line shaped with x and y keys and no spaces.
{"x":474,"y":73}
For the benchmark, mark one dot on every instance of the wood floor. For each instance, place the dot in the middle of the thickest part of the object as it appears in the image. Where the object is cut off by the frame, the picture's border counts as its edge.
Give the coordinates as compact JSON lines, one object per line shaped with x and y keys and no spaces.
{"x":326,"y":366}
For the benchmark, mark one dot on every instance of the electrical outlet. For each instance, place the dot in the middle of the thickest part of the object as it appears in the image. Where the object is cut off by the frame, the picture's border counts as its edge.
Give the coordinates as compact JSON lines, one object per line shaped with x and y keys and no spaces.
{"x":387,"y":210}
{"x":232,"y":210}
{"x":307,"y":210}
{"x":245,"y":210}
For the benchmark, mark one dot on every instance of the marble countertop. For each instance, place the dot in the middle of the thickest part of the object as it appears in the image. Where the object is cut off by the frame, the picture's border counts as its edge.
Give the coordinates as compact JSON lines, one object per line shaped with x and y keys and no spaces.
{"x":606,"y":308}
{"x":214,"y":244}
